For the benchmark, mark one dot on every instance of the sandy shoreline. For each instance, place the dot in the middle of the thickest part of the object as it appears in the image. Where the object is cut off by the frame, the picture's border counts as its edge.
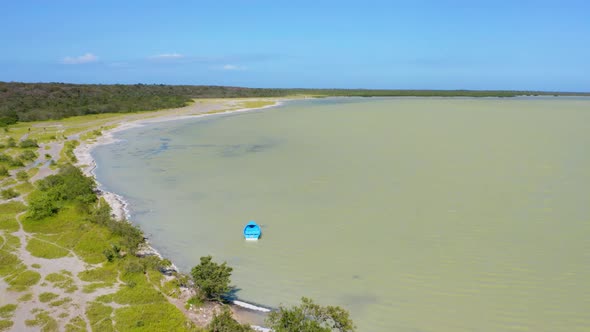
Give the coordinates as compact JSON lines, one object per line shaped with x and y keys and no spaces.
{"x":120,"y":208}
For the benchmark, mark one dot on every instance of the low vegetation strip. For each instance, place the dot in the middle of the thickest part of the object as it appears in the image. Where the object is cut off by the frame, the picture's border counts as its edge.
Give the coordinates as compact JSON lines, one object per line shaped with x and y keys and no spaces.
{"x":52,"y":101}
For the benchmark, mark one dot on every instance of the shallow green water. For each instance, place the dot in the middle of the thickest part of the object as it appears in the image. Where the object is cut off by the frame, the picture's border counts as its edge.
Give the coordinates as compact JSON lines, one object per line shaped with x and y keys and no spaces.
{"x":415,"y":214}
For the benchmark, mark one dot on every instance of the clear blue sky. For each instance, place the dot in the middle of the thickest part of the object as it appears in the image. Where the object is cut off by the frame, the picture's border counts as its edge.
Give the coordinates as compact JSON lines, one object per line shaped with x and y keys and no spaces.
{"x":512,"y":44}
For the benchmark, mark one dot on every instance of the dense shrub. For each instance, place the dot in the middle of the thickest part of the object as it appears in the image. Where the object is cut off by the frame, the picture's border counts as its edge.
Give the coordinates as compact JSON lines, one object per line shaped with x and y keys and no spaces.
{"x":212,"y":279}
{"x":28,"y":143}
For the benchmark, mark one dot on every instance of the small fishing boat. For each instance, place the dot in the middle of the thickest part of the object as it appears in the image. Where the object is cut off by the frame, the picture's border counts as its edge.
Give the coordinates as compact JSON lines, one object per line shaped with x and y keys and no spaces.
{"x":252,"y":231}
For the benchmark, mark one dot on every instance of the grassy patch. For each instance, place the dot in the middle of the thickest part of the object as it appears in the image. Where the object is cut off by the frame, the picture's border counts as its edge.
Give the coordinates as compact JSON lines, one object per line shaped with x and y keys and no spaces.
{"x":9,"y":193}
{"x":99,"y":316}
{"x":90,"y":288}
{"x":137,"y":291}
{"x":107,"y":298}
{"x":24,"y":280}
{"x":5,"y":324}
{"x":12,"y":208}
{"x":33,"y":171}
{"x":9,"y":263}
{"x":62,"y":280}
{"x":151,"y":317}
{"x":36,"y":266}
{"x":25,"y":298}
{"x":8,"y":223}
{"x":24,"y":188}
{"x":171,"y":288}
{"x":44,"y":249}
{"x":7,"y":311}
{"x":255,"y":103}
{"x":61,"y":302}
{"x":44,"y":321}
{"x":70,"y":229}
{"x":107,"y":273}
{"x":76,"y":324}
{"x":47,"y":296}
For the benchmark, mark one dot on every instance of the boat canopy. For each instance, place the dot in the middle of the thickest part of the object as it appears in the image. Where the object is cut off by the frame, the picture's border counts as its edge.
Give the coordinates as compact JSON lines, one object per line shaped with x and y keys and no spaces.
{"x":252,"y":231}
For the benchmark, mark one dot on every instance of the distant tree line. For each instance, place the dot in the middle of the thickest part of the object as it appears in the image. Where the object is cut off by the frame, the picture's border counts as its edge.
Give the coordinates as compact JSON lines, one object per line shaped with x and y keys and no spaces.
{"x":53,"y":101}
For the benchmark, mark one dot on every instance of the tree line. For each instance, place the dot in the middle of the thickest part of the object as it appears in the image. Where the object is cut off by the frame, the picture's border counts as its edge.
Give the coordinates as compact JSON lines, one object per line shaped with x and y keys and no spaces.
{"x":53,"y":101}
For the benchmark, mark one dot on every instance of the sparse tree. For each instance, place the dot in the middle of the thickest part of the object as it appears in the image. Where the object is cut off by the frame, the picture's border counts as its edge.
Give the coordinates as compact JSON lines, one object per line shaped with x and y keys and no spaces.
{"x":211,"y":278}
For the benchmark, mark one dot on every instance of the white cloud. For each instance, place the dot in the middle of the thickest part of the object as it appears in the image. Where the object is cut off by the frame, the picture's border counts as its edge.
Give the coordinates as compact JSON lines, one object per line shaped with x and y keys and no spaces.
{"x":167,"y":56}
{"x":78,"y":60}
{"x":232,"y":67}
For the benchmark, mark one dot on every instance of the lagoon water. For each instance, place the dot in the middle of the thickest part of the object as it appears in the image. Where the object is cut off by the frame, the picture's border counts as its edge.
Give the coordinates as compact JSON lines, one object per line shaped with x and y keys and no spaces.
{"x":416,"y":214}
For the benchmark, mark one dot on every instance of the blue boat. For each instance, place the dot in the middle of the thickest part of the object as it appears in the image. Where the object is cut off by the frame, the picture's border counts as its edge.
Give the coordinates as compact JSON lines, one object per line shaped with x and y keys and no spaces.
{"x":252,"y":231}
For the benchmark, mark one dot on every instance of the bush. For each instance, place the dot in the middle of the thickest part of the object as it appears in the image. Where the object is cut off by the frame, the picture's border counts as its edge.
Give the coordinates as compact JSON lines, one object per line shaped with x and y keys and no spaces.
{"x":212,"y":279}
{"x":27,"y":155}
{"x":9,"y":193}
{"x":310,"y":317}
{"x":3,"y":171}
{"x":28,"y":143}
{"x":224,"y":322}
{"x":5,"y":158}
{"x":41,"y":205}
{"x":22,"y":176}
{"x":11,"y":142}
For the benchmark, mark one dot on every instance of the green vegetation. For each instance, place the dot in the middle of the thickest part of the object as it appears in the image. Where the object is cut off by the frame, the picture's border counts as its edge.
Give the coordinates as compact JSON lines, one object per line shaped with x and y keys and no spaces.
{"x":211,"y":278}
{"x":5,"y":325}
{"x":106,"y":273}
{"x":310,"y":317}
{"x":76,"y":324}
{"x":69,"y":185}
{"x":61,"y":302}
{"x":51,"y":101}
{"x":9,"y":193}
{"x":25,"y":298}
{"x":7,"y":311}
{"x":24,"y":188}
{"x":62,"y":280}
{"x":28,"y":143}
{"x":44,"y":321}
{"x":27,"y":155}
{"x":67,"y":154}
{"x":45,"y":249}
{"x":22,"y":176}
{"x":99,"y":316}
{"x":23,"y":280}
{"x":47,"y":297}
{"x":224,"y":322}
{"x":151,"y":317}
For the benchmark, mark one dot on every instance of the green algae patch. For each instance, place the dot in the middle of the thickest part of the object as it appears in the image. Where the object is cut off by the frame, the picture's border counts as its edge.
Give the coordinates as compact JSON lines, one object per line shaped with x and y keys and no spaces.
{"x":45,"y":249}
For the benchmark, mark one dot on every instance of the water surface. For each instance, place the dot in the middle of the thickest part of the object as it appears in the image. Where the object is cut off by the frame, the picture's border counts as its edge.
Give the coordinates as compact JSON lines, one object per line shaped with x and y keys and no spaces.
{"x":416,"y":214}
